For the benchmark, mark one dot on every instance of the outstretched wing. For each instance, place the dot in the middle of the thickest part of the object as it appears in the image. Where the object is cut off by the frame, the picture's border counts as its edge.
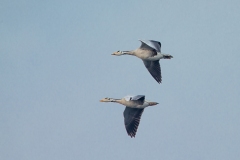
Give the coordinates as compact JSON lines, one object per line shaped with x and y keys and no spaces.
{"x":154,"y":69}
{"x":150,"y":44}
{"x":138,"y":98}
{"x":132,"y":118}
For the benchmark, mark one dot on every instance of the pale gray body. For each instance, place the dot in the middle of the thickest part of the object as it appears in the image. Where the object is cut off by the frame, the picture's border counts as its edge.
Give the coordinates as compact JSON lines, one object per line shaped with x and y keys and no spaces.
{"x":150,"y":53}
{"x":132,"y":114}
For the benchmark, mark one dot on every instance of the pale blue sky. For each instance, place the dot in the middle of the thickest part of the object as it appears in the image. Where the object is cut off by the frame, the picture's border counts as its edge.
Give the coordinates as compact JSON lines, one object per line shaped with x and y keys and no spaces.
{"x":55,"y":66}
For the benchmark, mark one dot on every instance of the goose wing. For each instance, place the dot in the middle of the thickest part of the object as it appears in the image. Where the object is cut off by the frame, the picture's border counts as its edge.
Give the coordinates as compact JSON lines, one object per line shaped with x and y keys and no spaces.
{"x":132,"y":118}
{"x":150,"y":44}
{"x":138,"y":98}
{"x":154,"y":69}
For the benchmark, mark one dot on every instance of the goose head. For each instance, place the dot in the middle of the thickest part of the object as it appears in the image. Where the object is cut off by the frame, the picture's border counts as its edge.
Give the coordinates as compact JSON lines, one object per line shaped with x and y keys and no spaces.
{"x":106,"y":100}
{"x":118,"y":53}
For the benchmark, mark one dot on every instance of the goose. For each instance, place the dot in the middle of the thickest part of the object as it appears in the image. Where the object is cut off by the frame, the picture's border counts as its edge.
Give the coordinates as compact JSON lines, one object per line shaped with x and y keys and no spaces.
{"x":132,"y":114}
{"x":150,"y":53}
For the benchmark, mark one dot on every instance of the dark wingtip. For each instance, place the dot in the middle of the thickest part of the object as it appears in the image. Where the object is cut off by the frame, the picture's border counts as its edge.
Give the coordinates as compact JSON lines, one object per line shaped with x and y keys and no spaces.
{"x":132,"y":135}
{"x":158,"y":81}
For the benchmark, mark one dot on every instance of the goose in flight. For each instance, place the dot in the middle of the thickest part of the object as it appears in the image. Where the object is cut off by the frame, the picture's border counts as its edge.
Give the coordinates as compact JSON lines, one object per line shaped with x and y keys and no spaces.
{"x":150,"y":53}
{"x":132,"y":114}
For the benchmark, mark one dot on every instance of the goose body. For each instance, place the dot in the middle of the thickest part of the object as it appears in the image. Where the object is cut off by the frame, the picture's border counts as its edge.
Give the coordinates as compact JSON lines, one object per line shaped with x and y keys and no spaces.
{"x":135,"y":106}
{"x":150,"y":53}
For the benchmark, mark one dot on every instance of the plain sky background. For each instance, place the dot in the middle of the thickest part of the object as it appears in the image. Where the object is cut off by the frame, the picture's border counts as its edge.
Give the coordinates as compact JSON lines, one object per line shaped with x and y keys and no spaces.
{"x":56,"y":64}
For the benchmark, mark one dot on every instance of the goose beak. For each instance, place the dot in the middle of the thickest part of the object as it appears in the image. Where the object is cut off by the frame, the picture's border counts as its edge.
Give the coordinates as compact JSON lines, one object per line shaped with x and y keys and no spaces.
{"x":115,"y":53}
{"x":118,"y":53}
{"x":102,"y":100}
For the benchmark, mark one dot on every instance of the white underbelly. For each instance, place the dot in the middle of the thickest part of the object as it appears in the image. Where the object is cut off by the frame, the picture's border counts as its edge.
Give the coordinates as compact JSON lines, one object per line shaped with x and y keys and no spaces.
{"x":140,"y":106}
{"x":154,"y":58}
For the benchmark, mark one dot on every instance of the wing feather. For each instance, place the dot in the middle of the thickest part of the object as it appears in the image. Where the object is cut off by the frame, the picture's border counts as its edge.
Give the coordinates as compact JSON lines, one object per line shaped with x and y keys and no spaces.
{"x":154,"y":69}
{"x":151,"y":44}
{"x":137,"y":98}
{"x":132,"y":118}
